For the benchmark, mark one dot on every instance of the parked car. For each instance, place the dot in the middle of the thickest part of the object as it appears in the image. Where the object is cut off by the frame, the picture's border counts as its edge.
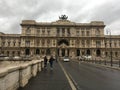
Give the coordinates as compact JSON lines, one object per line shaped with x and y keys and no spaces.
{"x":66,"y":59}
{"x":16,"y":58}
{"x":88,"y":57}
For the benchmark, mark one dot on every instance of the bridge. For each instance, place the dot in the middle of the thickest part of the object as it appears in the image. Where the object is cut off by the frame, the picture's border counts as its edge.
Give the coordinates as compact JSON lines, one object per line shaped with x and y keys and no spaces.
{"x":73,"y":75}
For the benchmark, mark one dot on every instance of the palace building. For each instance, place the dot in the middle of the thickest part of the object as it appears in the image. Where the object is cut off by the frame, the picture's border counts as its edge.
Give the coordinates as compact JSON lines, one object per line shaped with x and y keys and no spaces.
{"x":62,"y":38}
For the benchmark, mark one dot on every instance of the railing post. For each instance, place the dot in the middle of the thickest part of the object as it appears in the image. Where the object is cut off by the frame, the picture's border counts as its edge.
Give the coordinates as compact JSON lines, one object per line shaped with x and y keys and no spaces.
{"x":105,"y":61}
{"x":119,"y":62}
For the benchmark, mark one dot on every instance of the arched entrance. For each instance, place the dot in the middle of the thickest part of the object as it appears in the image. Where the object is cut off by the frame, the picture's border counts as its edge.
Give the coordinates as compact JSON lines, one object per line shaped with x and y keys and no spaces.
{"x":98,"y":53}
{"x":88,"y":52}
{"x":27,"y":51}
{"x":63,"y":52}
{"x":63,"y":47}
{"x":63,"y":41}
{"x":78,"y":52}
{"x":37,"y":51}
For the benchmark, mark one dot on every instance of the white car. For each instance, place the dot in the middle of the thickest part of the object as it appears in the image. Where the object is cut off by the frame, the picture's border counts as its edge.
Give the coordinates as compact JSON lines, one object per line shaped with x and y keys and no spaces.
{"x":16,"y":58}
{"x":66,"y":59}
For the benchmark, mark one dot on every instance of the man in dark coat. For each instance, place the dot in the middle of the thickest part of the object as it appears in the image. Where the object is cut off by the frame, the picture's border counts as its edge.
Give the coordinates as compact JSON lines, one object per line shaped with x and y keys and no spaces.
{"x":45,"y":61}
{"x":51,"y":62}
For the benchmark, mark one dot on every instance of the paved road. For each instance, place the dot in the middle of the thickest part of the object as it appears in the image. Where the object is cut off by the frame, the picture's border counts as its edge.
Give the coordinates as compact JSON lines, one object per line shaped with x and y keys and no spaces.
{"x":89,"y":77}
{"x":49,"y":80}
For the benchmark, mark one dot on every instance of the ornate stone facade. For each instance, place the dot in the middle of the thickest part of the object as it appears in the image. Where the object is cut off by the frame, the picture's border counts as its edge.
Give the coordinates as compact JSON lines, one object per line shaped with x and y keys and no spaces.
{"x":62,"y":38}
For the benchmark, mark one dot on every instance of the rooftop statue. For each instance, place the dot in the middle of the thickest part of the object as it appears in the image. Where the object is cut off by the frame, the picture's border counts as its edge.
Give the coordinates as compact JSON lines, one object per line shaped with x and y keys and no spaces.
{"x":63,"y":17}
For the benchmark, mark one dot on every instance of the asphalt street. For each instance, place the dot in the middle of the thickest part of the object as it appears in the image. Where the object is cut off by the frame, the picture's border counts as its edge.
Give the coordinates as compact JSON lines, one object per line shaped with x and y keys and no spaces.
{"x":89,"y":77}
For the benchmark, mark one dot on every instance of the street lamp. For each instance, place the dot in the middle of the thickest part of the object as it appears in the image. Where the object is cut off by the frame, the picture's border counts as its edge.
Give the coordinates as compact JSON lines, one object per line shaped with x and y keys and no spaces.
{"x":109,"y":32}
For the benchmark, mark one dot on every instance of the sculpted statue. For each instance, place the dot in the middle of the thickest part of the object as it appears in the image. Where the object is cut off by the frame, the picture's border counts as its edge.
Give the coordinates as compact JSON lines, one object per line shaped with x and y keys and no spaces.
{"x":63,"y":17}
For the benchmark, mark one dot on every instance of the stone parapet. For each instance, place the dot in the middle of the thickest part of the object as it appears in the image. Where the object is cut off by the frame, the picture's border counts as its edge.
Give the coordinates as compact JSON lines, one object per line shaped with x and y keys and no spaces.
{"x":13,"y":77}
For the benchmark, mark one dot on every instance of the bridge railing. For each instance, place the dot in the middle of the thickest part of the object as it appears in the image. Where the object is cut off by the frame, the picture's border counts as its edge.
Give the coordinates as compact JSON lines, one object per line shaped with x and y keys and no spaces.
{"x":104,"y":61}
{"x":13,"y":77}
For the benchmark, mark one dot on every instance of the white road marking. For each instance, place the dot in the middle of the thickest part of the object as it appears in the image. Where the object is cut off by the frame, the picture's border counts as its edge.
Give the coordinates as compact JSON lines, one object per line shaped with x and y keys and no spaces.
{"x":68,"y":78}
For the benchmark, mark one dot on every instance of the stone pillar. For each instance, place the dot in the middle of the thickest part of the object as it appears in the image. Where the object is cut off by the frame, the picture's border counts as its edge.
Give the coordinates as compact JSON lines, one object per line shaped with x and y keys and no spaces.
{"x":66,"y":52}
{"x":31,"y":52}
{"x":60,"y":52}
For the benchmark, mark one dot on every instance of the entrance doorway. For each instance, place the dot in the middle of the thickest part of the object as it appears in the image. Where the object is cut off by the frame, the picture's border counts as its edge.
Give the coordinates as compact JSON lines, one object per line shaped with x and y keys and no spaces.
{"x":63,"y":52}
{"x":88,"y":52}
{"x":27,"y":51}
{"x":78,"y":52}
{"x":37,"y":51}
{"x":98,"y":53}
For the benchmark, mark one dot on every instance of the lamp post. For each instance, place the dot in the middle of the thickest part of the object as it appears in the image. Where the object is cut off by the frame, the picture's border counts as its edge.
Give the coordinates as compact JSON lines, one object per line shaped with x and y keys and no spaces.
{"x":109,"y":31}
{"x":105,"y":50}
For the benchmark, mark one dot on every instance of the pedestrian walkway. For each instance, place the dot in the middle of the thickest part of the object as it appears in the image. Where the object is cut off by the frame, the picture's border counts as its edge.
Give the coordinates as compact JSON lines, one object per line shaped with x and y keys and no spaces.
{"x":48,"y":80}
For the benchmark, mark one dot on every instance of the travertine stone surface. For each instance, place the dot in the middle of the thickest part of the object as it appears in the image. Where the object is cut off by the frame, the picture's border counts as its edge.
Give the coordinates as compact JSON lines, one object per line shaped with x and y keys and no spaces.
{"x":13,"y":77}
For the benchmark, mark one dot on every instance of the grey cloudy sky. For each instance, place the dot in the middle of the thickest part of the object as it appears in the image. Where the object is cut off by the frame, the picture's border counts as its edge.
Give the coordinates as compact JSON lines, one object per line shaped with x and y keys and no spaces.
{"x":12,"y":12}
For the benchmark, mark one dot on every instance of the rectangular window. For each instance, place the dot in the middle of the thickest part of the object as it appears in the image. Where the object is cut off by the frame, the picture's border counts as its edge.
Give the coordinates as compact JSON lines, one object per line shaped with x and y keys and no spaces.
{"x":3,"y":43}
{"x":68,"y":31}
{"x":88,"y":33}
{"x":83,"y":34}
{"x":14,"y":43}
{"x":98,"y":44}
{"x":19,"y":43}
{"x":77,"y":33}
{"x":38,"y":32}
{"x":63,"y":31}
{"x":8,"y":44}
{"x":115,"y":44}
{"x":27,"y":43}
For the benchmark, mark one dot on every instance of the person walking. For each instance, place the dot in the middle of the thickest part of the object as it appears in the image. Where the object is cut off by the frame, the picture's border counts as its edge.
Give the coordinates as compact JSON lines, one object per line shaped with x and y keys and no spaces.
{"x":51,"y":62}
{"x":45,"y":62}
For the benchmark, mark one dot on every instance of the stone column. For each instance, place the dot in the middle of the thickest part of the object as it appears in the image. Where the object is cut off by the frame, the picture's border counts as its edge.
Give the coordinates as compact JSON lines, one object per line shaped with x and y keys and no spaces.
{"x":31,"y":52}
{"x":60,"y":52}
{"x":66,"y":52}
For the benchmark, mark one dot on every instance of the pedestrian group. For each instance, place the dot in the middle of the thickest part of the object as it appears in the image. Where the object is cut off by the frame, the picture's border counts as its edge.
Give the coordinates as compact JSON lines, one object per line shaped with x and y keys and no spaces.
{"x":50,"y":62}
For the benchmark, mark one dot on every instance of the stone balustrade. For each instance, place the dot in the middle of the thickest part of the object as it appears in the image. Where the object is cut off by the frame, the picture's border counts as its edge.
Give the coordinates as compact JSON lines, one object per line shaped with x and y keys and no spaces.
{"x":16,"y":76}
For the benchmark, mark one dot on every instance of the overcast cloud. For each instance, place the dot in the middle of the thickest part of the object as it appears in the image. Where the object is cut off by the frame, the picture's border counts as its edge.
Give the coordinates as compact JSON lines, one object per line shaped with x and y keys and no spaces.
{"x":12,"y":12}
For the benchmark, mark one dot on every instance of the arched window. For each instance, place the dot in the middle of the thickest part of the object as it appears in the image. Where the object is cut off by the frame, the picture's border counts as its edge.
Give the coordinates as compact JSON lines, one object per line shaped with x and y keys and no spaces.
{"x":63,"y":41}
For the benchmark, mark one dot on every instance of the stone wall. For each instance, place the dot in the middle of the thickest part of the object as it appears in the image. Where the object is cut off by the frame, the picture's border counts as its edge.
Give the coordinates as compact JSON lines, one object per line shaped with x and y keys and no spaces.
{"x":13,"y":77}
